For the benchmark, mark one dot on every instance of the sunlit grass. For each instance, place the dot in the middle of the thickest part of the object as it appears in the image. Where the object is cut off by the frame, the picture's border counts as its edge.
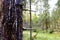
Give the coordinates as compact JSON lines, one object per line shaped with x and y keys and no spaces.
{"x":41,"y":36}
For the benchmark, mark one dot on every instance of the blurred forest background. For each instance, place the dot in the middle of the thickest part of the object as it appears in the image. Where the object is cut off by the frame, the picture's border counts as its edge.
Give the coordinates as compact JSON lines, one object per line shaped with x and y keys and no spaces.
{"x":45,"y":20}
{"x":43,"y":16}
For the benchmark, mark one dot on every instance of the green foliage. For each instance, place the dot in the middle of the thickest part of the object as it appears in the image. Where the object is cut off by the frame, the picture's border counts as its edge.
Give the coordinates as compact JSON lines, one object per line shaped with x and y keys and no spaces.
{"x":58,"y":3}
{"x":34,"y":19}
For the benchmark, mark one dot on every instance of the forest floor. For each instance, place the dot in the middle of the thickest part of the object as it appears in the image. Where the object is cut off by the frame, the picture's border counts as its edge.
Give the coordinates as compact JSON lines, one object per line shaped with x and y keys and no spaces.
{"x":41,"y":36}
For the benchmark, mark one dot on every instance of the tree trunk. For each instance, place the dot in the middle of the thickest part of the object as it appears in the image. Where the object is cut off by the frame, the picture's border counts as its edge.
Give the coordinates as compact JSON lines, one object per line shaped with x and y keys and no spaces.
{"x":1,"y":18}
{"x":12,"y":32}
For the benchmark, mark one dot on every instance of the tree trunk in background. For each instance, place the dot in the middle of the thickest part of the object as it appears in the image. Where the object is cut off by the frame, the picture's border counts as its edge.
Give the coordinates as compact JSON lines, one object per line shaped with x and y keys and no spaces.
{"x":46,"y":12}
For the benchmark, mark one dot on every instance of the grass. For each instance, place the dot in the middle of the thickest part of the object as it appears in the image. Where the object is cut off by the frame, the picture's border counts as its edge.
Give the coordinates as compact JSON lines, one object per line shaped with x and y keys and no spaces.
{"x":41,"y":36}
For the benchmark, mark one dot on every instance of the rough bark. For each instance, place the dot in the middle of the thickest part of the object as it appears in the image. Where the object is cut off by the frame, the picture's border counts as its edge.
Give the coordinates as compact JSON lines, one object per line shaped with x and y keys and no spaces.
{"x":11,"y":32}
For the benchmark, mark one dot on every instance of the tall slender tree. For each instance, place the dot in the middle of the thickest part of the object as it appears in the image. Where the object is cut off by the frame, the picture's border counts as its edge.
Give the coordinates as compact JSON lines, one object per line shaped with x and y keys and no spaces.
{"x":46,"y":12}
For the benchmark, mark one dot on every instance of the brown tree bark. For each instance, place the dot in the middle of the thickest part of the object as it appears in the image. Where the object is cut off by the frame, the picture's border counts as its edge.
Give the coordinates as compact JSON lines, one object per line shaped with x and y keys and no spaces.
{"x":10,"y":32}
{"x":1,"y":18}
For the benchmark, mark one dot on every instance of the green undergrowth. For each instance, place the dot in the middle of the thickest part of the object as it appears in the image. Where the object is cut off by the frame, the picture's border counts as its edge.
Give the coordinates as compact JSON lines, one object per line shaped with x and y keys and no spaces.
{"x":41,"y":36}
